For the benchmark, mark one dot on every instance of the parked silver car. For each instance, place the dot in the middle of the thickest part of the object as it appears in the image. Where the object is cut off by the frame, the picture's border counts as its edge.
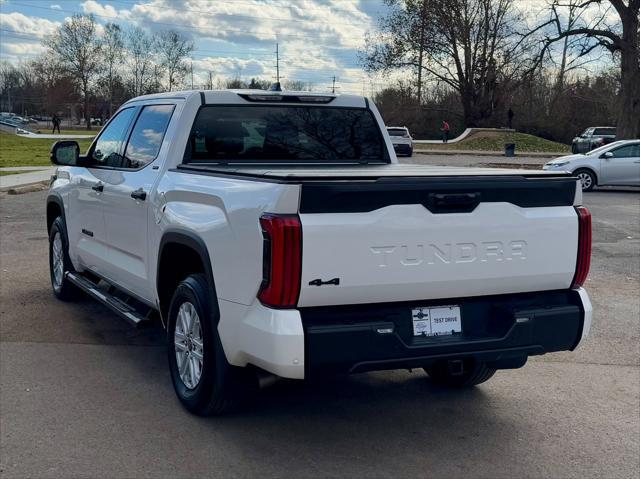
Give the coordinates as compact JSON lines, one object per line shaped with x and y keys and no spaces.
{"x":617,"y":163}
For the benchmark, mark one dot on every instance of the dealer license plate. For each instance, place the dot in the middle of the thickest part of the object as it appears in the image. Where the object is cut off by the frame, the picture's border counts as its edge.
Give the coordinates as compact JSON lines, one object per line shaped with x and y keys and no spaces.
{"x":436,"y":321}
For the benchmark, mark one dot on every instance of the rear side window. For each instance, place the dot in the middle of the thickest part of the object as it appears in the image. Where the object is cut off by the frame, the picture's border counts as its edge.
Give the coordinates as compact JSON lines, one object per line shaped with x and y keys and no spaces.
{"x":285,"y":134}
{"x":147,"y":135}
{"x":605,"y":131}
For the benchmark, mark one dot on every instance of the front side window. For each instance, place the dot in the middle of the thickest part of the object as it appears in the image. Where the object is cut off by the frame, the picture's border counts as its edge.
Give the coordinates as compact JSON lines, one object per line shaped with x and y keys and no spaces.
{"x":605,"y":131}
{"x":109,"y":144}
{"x":285,"y":134}
{"x":628,"y":151}
{"x":147,"y":135}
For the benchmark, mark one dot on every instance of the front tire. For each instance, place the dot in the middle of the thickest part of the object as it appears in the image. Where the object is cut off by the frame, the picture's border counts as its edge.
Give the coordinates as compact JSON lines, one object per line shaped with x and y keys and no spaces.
{"x":587,"y":179}
{"x":205,"y":383}
{"x":59,"y":262}
{"x":473,"y":373}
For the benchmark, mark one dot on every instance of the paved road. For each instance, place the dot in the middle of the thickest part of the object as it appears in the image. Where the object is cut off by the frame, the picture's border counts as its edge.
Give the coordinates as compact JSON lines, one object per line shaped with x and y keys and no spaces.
{"x":83,"y":395}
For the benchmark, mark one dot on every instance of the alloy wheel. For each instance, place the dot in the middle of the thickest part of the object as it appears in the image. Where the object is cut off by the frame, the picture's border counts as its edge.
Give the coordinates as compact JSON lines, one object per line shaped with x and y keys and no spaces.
{"x":189,"y":345}
{"x":585,"y":180}
{"x":57,"y":261}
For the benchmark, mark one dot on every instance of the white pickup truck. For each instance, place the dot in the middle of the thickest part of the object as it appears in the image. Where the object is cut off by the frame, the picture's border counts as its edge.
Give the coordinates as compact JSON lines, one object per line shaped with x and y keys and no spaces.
{"x":275,"y":235}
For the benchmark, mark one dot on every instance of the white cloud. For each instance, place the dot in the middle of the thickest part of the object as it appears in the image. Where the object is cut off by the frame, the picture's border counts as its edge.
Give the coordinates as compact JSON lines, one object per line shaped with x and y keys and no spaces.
{"x":107,"y":11}
{"x":55,"y":6}
{"x":32,"y":26}
{"x":22,"y":49}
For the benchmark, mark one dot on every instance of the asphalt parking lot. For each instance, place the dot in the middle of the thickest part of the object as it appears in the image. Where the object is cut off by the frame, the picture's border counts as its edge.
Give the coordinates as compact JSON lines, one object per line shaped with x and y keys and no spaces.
{"x":84,"y":395}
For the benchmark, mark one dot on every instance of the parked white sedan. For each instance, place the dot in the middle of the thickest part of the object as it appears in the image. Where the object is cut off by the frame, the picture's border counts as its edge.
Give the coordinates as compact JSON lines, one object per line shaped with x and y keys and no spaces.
{"x":615,"y":164}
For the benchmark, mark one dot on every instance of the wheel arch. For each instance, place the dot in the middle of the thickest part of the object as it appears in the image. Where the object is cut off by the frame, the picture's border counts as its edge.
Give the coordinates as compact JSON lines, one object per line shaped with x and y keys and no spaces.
{"x":182,"y":252}
{"x":55,"y":208}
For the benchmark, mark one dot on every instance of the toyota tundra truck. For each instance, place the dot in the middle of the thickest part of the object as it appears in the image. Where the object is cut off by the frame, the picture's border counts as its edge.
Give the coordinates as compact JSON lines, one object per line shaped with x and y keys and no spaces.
{"x":275,"y":235}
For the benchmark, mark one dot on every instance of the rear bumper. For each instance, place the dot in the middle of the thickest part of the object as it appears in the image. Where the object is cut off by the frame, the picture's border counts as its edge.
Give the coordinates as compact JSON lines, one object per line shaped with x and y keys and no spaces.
{"x":402,"y":148}
{"x":501,"y":330}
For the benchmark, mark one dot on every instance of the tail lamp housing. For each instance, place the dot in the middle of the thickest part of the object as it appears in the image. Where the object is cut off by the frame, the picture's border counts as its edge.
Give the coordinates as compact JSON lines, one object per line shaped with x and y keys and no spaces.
{"x":583,"y":261}
{"x":282,"y":260}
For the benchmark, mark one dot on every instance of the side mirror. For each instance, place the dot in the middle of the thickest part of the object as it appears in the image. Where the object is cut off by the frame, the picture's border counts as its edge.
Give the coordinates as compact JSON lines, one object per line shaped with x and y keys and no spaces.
{"x":65,"y":153}
{"x":607,"y":155}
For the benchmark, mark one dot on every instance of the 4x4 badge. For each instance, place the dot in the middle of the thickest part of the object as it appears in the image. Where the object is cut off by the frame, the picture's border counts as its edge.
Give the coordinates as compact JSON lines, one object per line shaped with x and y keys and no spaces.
{"x":319,"y":282}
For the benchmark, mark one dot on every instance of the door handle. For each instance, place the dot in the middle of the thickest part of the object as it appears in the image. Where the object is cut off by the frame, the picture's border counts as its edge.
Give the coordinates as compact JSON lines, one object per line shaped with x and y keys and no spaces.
{"x":452,"y":202}
{"x":99,"y":187}
{"x":139,"y":194}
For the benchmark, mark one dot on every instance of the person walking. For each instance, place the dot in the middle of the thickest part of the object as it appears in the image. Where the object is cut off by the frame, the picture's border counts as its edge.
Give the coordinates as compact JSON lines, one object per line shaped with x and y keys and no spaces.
{"x":56,"y":123}
{"x":510,"y":116}
{"x":445,"y":131}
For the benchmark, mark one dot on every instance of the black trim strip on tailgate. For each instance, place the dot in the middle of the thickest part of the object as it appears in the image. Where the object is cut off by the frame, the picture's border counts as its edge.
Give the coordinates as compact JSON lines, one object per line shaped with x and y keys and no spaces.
{"x":362,"y":196}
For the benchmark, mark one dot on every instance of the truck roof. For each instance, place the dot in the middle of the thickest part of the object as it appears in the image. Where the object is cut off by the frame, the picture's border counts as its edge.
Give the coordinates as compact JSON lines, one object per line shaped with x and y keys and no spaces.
{"x":237,"y":97}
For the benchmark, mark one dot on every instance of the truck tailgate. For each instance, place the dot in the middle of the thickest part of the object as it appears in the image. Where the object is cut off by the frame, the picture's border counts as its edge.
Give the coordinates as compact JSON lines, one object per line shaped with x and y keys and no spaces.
{"x":411,"y":239}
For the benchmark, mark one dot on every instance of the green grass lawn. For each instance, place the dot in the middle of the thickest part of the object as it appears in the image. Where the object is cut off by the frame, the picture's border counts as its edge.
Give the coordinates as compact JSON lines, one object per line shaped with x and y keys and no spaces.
{"x":489,"y":141}
{"x":5,"y":173}
{"x":20,"y":151}
{"x":94,"y":131}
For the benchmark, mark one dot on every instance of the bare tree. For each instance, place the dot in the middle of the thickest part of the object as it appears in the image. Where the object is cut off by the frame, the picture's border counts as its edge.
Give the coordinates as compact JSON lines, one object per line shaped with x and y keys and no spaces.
{"x":403,"y":38}
{"x":113,"y":54}
{"x":620,"y":38}
{"x":78,"y":50}
{"x":468,"y":45}
{"x":173,"y":50}
{"x":140,"y":54}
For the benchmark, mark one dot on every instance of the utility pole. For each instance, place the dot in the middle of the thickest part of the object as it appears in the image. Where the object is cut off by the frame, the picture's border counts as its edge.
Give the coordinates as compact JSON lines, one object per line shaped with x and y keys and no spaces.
{"x":192,"y":74}
{"x":210,"y":81}
{"x":423,"y":15}
{"x":333,"y":85}
{"x":277,"y":64}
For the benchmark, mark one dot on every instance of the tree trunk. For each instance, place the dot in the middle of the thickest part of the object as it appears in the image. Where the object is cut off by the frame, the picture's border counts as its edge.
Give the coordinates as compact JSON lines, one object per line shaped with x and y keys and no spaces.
{"x":628,"y":126}
{"x":468,"y":108}
{"x":85,"y":93}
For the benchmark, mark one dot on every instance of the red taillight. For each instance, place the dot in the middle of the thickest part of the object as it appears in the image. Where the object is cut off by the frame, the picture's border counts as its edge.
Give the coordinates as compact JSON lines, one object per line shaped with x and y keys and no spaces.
{"x":584,"y":247}
{"x":282,"y":260}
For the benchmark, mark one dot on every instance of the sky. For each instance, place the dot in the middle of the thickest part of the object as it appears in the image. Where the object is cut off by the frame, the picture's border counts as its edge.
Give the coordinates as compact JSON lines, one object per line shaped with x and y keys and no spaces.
{"x":317,"y":39}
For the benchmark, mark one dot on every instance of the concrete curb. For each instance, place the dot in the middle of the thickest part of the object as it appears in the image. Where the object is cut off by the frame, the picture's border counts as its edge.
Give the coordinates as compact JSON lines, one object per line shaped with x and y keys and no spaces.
{"x":28,"y":188}
{"x":486,"y":153}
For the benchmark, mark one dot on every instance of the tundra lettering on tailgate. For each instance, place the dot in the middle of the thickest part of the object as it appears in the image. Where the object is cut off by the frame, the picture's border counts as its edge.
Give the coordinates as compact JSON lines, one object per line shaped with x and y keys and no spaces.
{"x":447,"y":253}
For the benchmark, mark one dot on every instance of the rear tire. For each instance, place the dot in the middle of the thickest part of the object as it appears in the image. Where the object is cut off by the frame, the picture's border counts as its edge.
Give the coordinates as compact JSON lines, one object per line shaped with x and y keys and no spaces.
{"x":474,"y":373}
{"x":59,"y":262}
{"x":587,"y":179}
{"x":205,"y":383}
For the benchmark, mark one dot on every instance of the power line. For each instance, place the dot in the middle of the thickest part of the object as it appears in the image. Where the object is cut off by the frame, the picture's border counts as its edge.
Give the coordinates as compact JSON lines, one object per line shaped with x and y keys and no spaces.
{"x":203,"y":52}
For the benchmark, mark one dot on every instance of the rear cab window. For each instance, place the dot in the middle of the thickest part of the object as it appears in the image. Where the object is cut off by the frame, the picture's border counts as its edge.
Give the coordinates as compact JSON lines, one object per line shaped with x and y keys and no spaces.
{"x":397,"y":132}
{"x":285,"y":134}
{"x":605,"y":131}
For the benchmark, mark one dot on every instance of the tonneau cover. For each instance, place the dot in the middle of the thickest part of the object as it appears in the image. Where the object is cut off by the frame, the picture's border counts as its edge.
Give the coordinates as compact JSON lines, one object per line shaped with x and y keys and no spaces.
{"x":361,"y":172}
